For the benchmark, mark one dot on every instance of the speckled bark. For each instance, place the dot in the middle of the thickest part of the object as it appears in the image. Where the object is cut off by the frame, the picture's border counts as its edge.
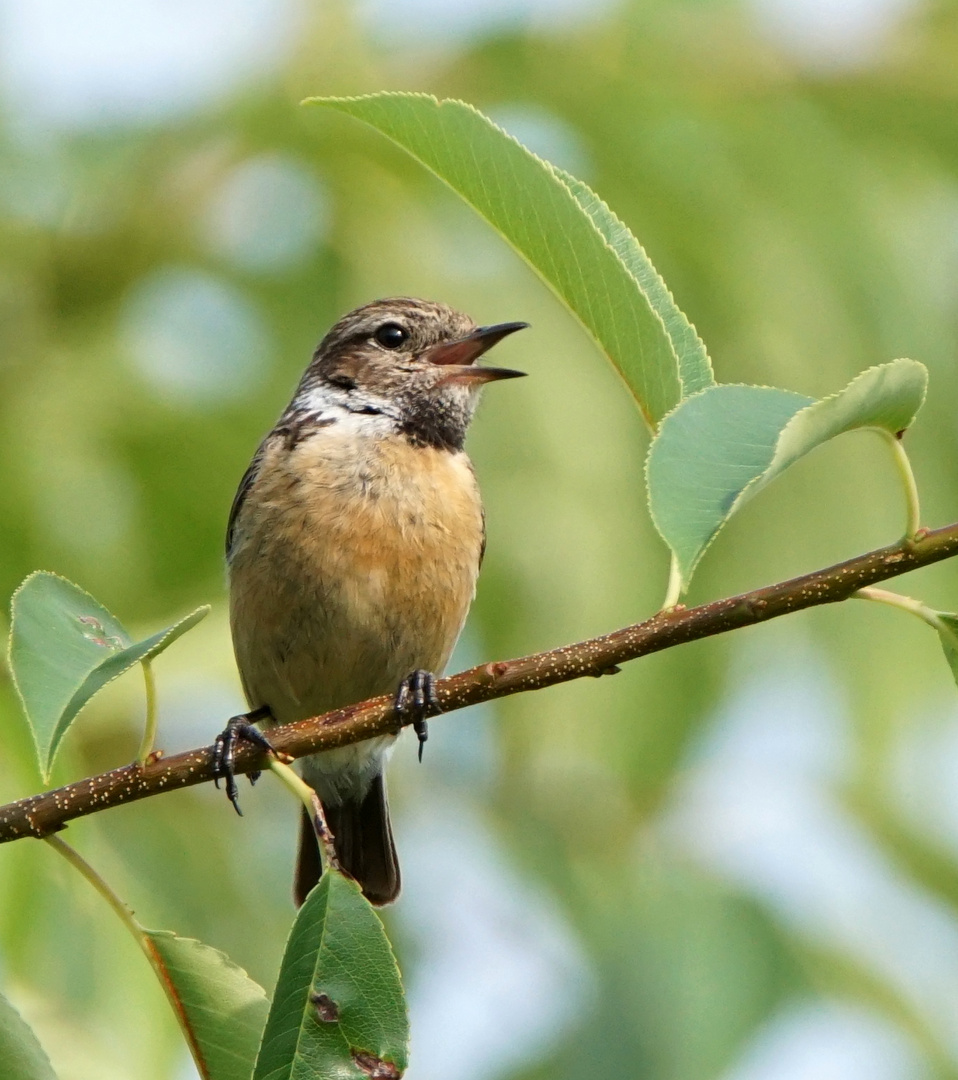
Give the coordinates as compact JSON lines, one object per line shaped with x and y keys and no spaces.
{"x":45,"y":813}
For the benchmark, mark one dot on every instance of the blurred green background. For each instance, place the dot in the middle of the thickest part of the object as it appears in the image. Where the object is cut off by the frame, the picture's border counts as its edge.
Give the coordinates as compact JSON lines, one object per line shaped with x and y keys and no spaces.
{"x":736,"y":860}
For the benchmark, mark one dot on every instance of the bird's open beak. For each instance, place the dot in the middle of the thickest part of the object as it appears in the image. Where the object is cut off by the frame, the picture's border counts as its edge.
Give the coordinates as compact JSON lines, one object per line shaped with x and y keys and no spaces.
{"x":460,"y":356}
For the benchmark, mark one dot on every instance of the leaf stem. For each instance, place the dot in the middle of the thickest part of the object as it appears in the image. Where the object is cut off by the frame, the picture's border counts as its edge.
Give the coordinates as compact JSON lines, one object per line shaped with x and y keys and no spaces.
{"x":140,"y":933}
{"x":76,"y":860}
{"x":293,"y":781}
{"x":149,"y":729}
{"x":907,"y":477}
{"x":903,"y":603}
{"x":314,"y":808}
{"x":674,"y":591}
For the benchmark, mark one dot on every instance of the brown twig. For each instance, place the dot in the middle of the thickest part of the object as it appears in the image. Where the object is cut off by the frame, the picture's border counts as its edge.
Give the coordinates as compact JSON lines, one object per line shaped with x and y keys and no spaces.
{"x":43,"y":814}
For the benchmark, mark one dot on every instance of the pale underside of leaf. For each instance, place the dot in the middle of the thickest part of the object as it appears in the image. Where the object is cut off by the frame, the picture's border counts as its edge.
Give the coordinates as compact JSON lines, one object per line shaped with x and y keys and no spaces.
{"x":114,"y":666}
{"x":533,"y":208}
{"x":887,"y":397}
{"x":720,"y":447}
{"x":706,"y":453}
{"x":64,"y":648}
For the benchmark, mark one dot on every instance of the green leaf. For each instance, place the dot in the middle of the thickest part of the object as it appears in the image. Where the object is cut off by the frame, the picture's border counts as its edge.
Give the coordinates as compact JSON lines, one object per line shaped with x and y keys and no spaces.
{"x":948,"y":635}
{"x":562,"y":229}
{"x":221,"y":1010}
{"x":695,"y":367}
{"x":339,"y":1008}
{"x":22,"y":1056}
{"x":720,"y":447}
{"x":64,"y":648}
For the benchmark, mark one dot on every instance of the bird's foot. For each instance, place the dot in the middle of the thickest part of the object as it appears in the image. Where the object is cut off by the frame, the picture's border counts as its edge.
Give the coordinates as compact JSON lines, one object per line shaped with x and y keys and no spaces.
{"x":416,"y":699}
{"x":238,"y":729}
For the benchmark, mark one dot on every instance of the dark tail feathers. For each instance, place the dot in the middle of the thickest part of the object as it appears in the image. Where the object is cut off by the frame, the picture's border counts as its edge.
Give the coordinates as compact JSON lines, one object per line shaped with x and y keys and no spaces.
{"x":364,"y":844}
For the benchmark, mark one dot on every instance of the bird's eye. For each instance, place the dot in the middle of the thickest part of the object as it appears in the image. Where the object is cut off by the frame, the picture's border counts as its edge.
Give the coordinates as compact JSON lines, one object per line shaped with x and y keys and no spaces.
{"x":391,"y":335}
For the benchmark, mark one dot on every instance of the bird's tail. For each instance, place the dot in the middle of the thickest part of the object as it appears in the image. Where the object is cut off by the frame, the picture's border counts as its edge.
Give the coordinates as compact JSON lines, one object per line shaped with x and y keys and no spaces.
{"x":363,"y":839}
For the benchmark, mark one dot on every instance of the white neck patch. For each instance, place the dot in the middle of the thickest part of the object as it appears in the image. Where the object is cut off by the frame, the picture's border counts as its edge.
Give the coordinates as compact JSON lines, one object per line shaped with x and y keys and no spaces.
{"x":350,"y":412}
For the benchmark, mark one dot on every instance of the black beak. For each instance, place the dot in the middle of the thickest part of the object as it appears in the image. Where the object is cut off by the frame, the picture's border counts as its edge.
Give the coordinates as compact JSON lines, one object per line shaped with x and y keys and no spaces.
{"x":463,"y":353}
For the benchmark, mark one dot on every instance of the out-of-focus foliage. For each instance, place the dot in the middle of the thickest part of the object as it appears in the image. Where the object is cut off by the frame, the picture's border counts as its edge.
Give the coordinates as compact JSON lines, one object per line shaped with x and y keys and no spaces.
{"x":731,"y":855}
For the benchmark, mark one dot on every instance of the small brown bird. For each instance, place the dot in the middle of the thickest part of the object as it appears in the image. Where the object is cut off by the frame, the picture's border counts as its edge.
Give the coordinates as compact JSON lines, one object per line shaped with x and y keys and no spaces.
{"x":353,"y":544}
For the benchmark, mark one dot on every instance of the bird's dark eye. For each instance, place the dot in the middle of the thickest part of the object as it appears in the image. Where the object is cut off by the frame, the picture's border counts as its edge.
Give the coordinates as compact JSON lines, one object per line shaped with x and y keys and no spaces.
{"x":391,"y":335}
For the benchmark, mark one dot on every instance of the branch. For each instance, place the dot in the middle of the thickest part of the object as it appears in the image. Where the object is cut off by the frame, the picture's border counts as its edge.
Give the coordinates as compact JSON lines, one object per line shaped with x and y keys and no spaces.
{"x":48,"y":812}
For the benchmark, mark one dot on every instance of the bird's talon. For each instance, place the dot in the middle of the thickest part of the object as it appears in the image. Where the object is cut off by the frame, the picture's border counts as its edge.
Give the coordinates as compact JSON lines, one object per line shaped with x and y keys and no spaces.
{"x":416,"y":699}
{"x":224,"y":751}
{"x":421,"y":729}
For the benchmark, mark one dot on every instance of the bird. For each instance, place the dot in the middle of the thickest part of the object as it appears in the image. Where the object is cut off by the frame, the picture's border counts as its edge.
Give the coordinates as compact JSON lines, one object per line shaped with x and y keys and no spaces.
{"x":353,"y":547}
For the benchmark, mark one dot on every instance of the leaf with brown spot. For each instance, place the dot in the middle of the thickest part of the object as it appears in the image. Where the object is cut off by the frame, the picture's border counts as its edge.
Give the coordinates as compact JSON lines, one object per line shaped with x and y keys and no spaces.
{"x":338,"y":1011}
{"x":326,"y":1009}
{"x":375,"y":1068}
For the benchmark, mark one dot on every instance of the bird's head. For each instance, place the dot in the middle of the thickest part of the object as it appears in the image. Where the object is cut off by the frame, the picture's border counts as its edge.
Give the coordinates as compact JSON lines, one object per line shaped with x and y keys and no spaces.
{"x":410,"y":361}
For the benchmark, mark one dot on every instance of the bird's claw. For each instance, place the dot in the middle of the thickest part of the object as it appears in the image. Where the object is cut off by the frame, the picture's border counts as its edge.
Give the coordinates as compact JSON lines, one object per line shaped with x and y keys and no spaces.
{"x":416,"y":699}
{"x":238,"y":729}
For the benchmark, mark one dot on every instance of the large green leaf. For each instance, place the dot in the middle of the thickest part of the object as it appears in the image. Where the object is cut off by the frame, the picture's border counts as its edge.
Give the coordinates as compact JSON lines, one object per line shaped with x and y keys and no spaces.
{"x":695,"y":367}
{"x":64,"y":648}
{"x":721,"y":446}
{"x":563,"y":230}
{"x":221,"y":1010}
{"x":338,"y":1011}
{"x":21,"y":1056}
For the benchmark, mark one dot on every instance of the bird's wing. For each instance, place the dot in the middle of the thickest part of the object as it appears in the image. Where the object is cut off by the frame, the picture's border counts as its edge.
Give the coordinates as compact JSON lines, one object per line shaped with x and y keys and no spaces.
{"x":249,"y":477}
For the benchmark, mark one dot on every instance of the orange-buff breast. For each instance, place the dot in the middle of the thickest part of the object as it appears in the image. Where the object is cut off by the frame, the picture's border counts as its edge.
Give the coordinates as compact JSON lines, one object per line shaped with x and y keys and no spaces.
{"x":355,"y":562}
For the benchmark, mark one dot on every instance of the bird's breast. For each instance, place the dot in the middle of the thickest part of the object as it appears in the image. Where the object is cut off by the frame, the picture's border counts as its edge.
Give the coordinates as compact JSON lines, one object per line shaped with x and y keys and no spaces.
{"x":354,"y":562}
